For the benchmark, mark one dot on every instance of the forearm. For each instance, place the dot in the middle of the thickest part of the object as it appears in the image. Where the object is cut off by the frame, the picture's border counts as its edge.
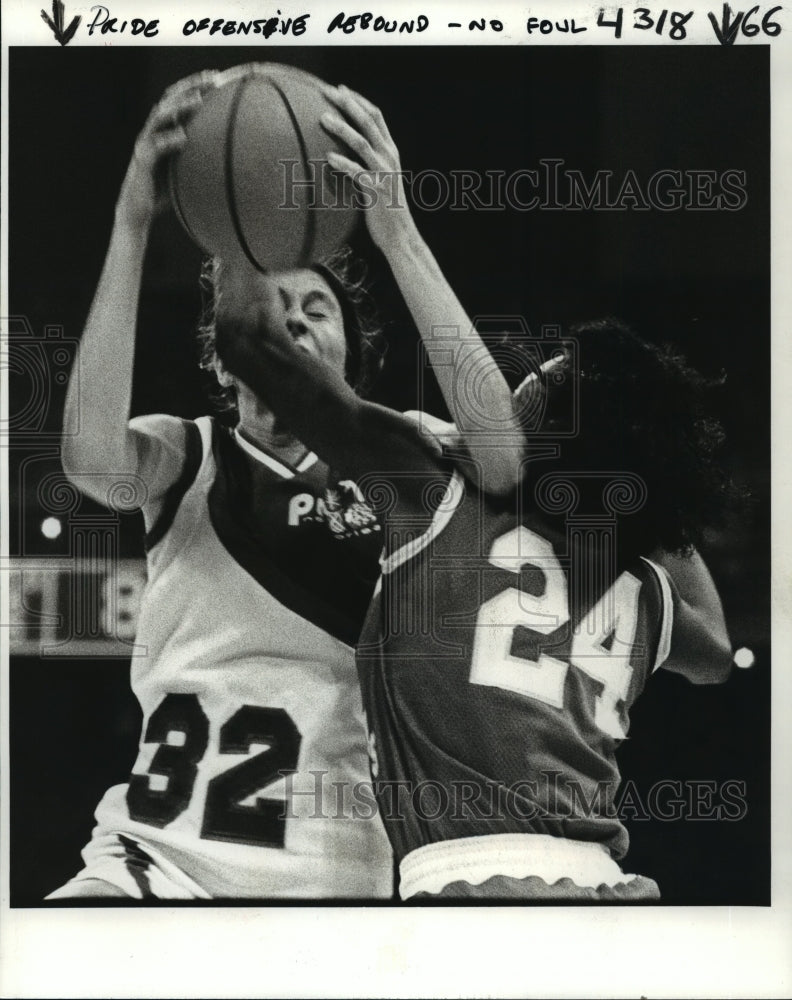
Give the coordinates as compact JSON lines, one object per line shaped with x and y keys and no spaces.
{"x":96,"y":416}
{"x":97,"y":438}
{"x":316,"y":404}
{"x":460,"y":359}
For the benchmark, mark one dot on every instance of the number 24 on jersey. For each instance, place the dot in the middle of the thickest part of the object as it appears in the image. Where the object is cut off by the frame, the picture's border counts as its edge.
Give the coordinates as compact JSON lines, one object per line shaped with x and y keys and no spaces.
{"x":614,"y":617}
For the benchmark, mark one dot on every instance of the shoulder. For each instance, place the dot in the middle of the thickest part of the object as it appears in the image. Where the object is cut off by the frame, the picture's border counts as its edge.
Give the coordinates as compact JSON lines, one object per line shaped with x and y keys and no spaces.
{"x":161,"y":429}
{"x":169,"y":452}
{"x":494,"y":470}
{"x":163,"y":441}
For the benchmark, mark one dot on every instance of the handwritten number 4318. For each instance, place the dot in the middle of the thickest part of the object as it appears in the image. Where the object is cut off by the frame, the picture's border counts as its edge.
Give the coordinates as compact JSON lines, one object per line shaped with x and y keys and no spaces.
{"x":674,"y":22}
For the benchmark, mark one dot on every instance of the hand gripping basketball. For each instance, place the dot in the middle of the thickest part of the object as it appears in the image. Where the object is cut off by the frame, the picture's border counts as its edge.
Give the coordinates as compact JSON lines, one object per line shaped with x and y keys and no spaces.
{"x":377,"y":174}
{"x":144,"y":192}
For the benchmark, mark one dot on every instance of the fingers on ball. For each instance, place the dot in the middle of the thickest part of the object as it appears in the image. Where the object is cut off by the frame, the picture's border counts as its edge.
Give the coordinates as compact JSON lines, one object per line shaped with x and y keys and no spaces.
{"x":363,"y":113}
{"x":344,"y":164}
{"x":376,"y":115}
{"x":371,"y":109}
{"x":203,"y":81}
{"x":169,"y":113}
{"x":350,"y":136}
{"x":164,"y":143}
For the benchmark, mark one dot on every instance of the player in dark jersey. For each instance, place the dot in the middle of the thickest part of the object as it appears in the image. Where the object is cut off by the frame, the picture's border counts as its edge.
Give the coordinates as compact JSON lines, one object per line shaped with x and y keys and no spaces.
{"x":512,"y":632}
{"x":261,"y":563}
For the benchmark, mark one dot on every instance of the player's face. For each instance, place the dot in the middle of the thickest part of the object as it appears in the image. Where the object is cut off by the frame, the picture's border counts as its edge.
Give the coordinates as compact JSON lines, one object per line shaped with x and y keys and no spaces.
{"x":312,"y":315}
{"x":298,"y":302}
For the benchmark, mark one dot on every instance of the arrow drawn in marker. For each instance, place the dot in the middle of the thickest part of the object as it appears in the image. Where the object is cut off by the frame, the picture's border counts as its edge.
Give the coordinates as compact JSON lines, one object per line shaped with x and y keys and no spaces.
{"x":56,"y":23}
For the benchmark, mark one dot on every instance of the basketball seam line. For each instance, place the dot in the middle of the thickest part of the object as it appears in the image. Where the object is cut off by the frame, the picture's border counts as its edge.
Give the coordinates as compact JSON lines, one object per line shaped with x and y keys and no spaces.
{"x":310,"y":221}
{"x":229,"y":170}
{"x":177,"y":205}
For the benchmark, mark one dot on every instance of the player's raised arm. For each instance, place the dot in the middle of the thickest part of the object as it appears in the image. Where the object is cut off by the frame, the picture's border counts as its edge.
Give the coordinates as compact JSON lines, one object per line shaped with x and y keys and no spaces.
{"x":700,"y":645}
{"x":433,"y":304}
{"x":100,"y":444}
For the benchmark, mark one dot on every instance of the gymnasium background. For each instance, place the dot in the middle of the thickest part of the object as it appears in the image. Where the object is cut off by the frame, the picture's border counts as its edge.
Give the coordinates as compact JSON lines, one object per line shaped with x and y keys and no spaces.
{"x":699,"y":278}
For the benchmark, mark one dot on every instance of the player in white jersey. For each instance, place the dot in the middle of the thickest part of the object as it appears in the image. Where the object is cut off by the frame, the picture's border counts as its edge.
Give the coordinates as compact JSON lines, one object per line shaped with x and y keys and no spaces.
{"x":251,"y":779}
{"x":260,"y":567}
{"x":252,"y":742}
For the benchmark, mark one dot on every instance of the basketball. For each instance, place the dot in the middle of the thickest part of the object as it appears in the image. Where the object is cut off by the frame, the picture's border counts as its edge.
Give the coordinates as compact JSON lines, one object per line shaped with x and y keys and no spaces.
{"x":253,"y":177}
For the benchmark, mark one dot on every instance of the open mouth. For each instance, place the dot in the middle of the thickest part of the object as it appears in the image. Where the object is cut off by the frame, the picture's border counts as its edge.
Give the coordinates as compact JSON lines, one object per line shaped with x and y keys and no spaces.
{"x":304,"y":343}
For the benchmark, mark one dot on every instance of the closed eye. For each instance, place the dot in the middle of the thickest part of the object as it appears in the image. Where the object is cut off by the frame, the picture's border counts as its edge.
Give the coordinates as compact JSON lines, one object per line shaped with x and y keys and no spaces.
{"x":318,"y":305}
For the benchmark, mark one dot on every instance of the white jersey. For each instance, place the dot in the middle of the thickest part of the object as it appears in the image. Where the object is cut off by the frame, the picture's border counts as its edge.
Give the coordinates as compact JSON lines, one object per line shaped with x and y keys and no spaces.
{"x":252,"y":776}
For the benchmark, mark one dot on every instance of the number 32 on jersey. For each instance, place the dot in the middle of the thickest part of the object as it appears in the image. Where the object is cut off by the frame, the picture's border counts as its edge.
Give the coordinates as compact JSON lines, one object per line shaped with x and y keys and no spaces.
{"x":225,"y":817}
{"x":614,"y":617}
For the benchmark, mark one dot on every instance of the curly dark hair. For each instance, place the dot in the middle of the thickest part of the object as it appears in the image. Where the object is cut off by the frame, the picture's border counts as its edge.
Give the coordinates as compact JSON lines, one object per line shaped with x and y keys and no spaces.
{"x":346,"y":276}
{"x":644,"y":410}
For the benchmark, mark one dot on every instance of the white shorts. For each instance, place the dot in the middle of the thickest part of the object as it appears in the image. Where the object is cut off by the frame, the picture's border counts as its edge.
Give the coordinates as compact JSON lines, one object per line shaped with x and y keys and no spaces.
{"x":140,"y":873}
{"x":508,"y":865}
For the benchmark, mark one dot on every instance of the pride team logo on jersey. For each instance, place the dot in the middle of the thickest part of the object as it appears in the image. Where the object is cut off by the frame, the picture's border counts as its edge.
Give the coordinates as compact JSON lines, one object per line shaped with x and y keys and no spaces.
{"x":342,"y":508}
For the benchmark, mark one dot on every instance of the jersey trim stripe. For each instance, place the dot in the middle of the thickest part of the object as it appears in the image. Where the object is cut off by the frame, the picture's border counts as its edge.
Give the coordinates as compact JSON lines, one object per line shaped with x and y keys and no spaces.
{"x":667,"y":619}
{"x":514,"y":855}
{"x":281,"y":468}
{"x":193,"y":456}
{"x":453,"y":496}
{"x":309,"y":460}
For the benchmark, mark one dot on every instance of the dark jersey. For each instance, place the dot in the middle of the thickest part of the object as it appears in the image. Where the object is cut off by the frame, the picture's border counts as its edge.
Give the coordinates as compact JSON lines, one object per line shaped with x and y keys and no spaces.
{"x":498,"y":664}
{"x":306,"y":536}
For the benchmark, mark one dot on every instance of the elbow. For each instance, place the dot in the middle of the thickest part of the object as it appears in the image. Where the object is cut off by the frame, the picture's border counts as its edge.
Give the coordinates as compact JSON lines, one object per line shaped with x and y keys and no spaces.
{"x":92,"y":467}
{"x":708,"y":660}
{"x":700,"y":649}
{"x":723,"y":664}
{"x":716,"y":666}
{"x":722,"y":656}
{"x":76,"y":471}
{"x":78,"y":458}
{"x":79,"y":449}
{"x":70,"y":459}
{"x":499,"y":484}
{"x":499,"y":471}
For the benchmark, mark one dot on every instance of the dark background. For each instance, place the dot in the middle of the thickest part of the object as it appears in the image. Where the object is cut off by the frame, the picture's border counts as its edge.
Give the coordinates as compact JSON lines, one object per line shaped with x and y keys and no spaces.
{"x":697,"y":278}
